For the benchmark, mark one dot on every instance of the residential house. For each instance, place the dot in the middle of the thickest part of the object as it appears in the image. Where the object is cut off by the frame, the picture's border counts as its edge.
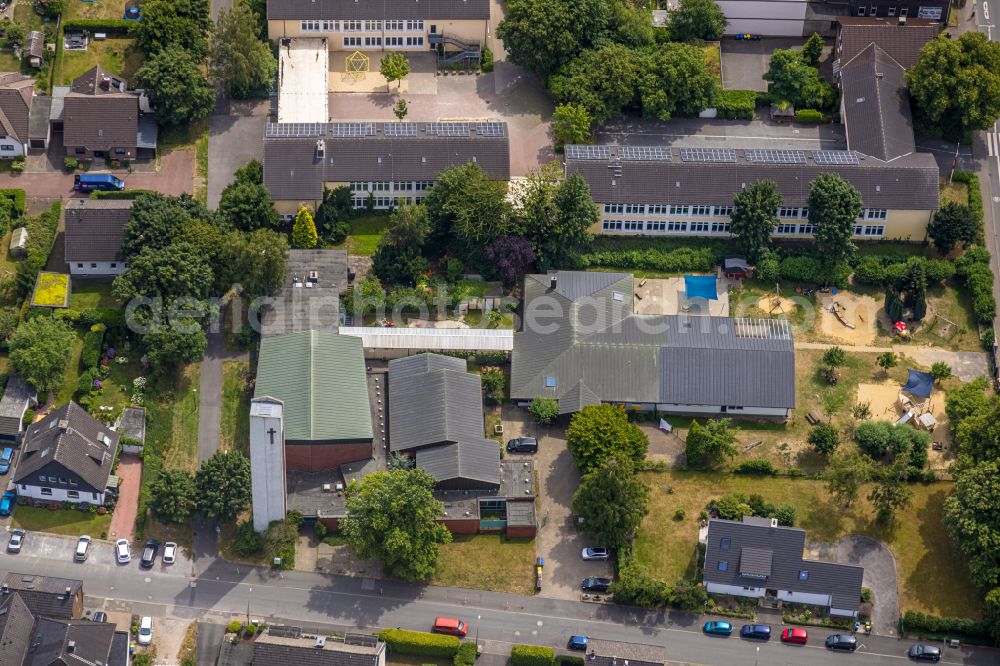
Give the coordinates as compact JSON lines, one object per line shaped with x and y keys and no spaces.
{"x":16,"y":96}
{"x":901,"y":39}
{"x":67,"y":457}
{"x":933,"y":10}
{"x":385,"y":164}
{"x":93,"y":236}
{"x":602,"y":652}
{"x":582,"y":344}
{"x":34,"y":51}
{"x":18,"y":398}
{"x":396,"y":25}
{"x":757,"y":558}
{"x":60,"y":598}
{"x":280,"y":646}
{"x":665,"y":191}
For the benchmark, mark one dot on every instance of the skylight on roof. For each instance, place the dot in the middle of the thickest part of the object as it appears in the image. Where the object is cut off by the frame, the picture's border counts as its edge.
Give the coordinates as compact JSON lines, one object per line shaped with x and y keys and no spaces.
{"x":803,"y":575}
{"x":726,"y":543}
{"x":723,"y":566}
{"x":618,"y":296}
{"x":550,"y":382}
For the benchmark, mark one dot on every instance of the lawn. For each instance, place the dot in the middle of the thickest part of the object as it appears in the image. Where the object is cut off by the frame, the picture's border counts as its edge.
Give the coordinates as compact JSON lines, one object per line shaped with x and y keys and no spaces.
{"x":72,"y":375}
{"x":713,"y":58}
{"x":115,"y":54}
{"x":950,"y":304}
{"x":9,"y":62}
{"x":183,"y":417}
{"x":95,"y":10}
{"x":365,"y":234}
{"x":236,"y":407}
{"x":487,"y":562}
{"x":930,"y":572}
{"x":477,"y":319}
{"x":69,"y":522}
{"x":8,"y":265}
{"x":954,"y":192}
{"x":91,"y":295}
{"x":182,"y":137}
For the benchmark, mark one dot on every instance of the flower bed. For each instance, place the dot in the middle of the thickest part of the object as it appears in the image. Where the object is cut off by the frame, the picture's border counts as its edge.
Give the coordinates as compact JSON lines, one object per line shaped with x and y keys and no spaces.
{"x":51,"y":290}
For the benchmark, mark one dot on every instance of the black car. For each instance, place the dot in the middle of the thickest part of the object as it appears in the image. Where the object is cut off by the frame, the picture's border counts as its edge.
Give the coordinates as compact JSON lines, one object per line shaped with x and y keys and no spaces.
{"x":921,"y":652}
{"x":842,"y":642}
{"x":149,"y":552}
{"x":523,"y":445}
{"x":99,"y":616}
{"x":595,"y":584}
{"x":759,"y":631}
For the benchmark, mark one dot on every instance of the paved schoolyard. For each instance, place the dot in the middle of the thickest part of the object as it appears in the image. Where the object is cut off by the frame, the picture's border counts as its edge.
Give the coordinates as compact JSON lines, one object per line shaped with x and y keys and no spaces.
{"x":123,"y":519}
{"x":234,"y":139}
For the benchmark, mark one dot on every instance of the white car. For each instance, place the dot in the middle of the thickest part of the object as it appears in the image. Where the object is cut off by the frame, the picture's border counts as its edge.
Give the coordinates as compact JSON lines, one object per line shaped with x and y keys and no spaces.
{"x":169,"y":552}
{"x":595,"y":554}
{"x":145,"y":630}
{"x":122,"y":553}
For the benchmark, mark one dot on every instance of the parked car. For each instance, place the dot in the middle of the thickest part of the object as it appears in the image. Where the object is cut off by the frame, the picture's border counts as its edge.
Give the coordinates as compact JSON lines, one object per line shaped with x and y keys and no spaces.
{"x":7,"y":503}
{"x":921,"y":652}
{"x":842,"y":642}
{"x":145,"y":630}
{"x":795,"y":635}
{"x":451,"y":626}
{"x":718,"y":628}
{"x":759,"y":631}
{"x":577,"y":643}
{"x":169,"y":552}
{"x":82,"y":548}
{"x":748,"y":37}
{"x":16,"y":540}
{"x":122,"y":553}
{"x":149,"y":552}
{"x":595,"y":553}
{"x":6,"y":456}
{"x":523,"y":445}
{"x":99,"y":616}
{"x":595,"y":584}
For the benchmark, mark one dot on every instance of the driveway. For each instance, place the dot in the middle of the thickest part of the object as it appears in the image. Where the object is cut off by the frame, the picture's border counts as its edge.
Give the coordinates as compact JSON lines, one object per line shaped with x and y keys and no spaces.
{"x":174,"y":178}
{"x":58,"y":547}
{"x":880,"y":575}
{"x":123,"y":519}
{"x":558,"y":540}
{"x":233,"y":140}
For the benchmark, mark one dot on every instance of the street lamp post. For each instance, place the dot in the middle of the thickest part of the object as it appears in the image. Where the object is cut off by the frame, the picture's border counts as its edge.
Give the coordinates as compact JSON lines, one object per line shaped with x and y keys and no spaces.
{"x":756,"y":656}
{"x":250,"y":595}
{"x":478,"y":618}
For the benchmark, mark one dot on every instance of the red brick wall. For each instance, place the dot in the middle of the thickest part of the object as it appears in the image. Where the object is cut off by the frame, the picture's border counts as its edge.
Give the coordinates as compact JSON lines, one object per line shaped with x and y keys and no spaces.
{"x":461,"y":526}
{"x":521,"y":532}
{"x":332,"y":524}
{"x":324,"y":456}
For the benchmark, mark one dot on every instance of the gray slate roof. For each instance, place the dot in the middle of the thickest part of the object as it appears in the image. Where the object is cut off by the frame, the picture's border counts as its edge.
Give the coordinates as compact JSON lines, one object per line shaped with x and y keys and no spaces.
{"x":476,"y":460}
{"x":15,"y":104}
{"x":601,"y":652}
{"x":281,"y":651}
{"x":306,"y":303}
{"x":593,"y":346}
{"x":876,"y":105}
{"x":901,"y":42}
{"x":98,"y":114}
{"x":909,"y":183}
{"x":94,"y":229}
{"x":91,"y":642}
{"x":296,"y":10}
{"x":17,"y":397}
{"x":765,"y":556}
{"x":72,"y":438}
{"x":45,"y":595}
{"x":292,"y":170}
{"x":16,"y":622}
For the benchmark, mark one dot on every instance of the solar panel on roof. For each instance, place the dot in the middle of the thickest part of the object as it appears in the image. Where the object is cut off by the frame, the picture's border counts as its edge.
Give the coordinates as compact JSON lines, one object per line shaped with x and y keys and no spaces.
{"x":708,"y":155}
{"x":352,"y":129}
{"x":289,"y":130}
{"x":583,"y":152}
{"x":489,"y":129}
{"x":399,"y":129}
{"x":644,"y":153}
{"x":835,"y":157}
{"x":769,"y":156}
{"x":447,"y":129}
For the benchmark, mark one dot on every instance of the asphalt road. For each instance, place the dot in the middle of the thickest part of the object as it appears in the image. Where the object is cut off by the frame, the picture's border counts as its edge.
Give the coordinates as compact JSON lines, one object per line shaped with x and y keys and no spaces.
{"x":498,"y":620}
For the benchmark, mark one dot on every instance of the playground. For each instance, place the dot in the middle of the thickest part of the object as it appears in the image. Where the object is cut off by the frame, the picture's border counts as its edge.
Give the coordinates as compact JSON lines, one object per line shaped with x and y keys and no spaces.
{"x":847,"y":317}
{"x":669,"y":296}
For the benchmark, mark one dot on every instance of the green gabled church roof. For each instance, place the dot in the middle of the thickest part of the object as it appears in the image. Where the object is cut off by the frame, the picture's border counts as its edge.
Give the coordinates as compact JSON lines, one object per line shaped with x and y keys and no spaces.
{"x":320,"y":377}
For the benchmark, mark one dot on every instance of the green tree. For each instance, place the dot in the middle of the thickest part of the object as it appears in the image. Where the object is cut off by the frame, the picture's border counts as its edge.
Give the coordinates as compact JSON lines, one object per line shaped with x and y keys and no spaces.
{"x":953,"y":224}
{"x":845,"y":475}
{"x":833,"y":358}
{"x":175,"y":85}
{"x":965,"y":401}
{"x":494,"y":381}
{"x":631,"y":25}
{"x":602,"y":81}
{"x":545,"y":410}
{"x":955,"y":85}
{"x":174,"y":271}
{"x":599,"y":432}
{"x":171,"y":344}
{"x":890,"y":492}
{"x":9,"y":319}
{"x":914,"y":283}
{"x":223,"y":483}
{"x":940,"y":371}
{"x":755,"y":216}
{"x":13,"y":33}
{"x":257,"y":261}
{"x":834,"y":205}
{"x":167,"y":24}
{"x":812,"y":50}
{"x":972,"y":518}
{"x":893,"y":304}
{"x":158,"y":220}
{"x":246,"y":203}
{"x":467,"y":211}
{"x":392,"y":515}
{"x":612,"y":501}
{"x":697,"y":20}
{"x":393,"y":67}
{"x":400,"y":109}
{"x":241,"y":63}
{"x":365,"y":298}
{"x":824,"y":438}
{"x":887,"y":361}
{"x":793,"y":80}
{"x":709,"y":445}
{"x":991,"y":611}
{"x":333,"y":217}
{"x":556,"y":217}
{"x":675,"y":80}
{"x":304,"y":234}
{"x":570,"y":124}
{"x":399,"y":256}
{"x":40,"y":348}
{"x":174,"y":496}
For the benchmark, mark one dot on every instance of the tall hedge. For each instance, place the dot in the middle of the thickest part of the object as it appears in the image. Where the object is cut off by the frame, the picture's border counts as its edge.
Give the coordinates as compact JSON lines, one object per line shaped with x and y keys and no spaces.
{"x":41,"y":235}
{"x":420,"y":643}
{"x":17,"y":196}
{"x":108,"y":25}
{"x":466,"y":655}
{"x":922,"y":623}
{"x":117,"y":194}
{"x":532,"y":655}
{"x":975,"y":195}
{"x":973,"y":268}
{"x":672,"y":260}
{"x":736,"y":104}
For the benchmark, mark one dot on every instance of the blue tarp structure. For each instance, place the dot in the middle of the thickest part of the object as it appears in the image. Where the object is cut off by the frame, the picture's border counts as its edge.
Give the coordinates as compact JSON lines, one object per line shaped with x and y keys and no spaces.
{"x":701,"y":286}
{"x":920,"y":383}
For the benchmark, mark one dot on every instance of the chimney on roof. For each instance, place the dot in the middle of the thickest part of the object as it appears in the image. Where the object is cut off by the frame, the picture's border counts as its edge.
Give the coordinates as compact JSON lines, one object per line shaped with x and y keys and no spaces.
{"x":71,"y":647}
{"x":63,"y":425}
{"x":69,"y":590}
{"x":902,"y":21}
{"x":320,"y":642}
{"x":105,"y":83}
{"x":553,"y":281}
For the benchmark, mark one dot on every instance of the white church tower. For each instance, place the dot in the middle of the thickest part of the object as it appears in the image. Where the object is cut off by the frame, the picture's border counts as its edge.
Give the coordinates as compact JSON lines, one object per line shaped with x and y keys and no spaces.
{"x":267,"y":461}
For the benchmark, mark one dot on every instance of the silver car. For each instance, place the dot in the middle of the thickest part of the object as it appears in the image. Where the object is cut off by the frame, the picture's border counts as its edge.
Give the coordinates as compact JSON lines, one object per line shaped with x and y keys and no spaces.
{"x":16,"y":540}
{"x":169,"y":552}
{"x":122,"y":553}
{"x":595,"y":554}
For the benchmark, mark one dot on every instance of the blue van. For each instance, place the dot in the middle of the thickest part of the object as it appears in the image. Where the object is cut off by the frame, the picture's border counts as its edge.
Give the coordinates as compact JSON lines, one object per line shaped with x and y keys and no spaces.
{"x":88,"y":182}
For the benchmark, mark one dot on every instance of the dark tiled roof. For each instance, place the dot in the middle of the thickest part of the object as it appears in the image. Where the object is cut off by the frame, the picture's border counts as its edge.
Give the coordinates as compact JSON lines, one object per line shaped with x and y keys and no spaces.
{"x":36,"y":43}
{"x":17,"y":397}
{"x":296,"y":10}
{"x":294,"y":171}
{"x":70,"y":642}
{"x":877,"y":106}
{"x":98,"y":114}
{"x":764,"y":556}
{"x":303,"y":651}
{"x":119,"y":649}
{"x":94,"y":229}
{"x":45,"y":595}
{"x":98,"y":81}
{"x":301,"y":307}
{"x":473,"y":460}
{"x":909,"y":183}
{"x":901,"y":42}
{"x":16,"y":622}
{"x":15,"y":104}
{"x":74,"y":439}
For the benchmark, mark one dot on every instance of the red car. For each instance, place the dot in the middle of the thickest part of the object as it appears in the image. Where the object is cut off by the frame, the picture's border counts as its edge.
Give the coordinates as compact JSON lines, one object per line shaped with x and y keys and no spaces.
{"x":451,"y":626}
{"x":794,"y":635}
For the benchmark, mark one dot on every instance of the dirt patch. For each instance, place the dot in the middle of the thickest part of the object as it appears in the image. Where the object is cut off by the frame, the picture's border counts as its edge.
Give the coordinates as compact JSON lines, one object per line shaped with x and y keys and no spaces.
{"x":885,"y":406}
{"x":856,"y":310}
{"x":663,"y":446}
{"x":776,"y":305}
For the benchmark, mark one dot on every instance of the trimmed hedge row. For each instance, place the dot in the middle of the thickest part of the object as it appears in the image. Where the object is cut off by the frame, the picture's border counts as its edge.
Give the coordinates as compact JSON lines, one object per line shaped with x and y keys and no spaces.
{"x":756,"y":467}
{"x":971,"y":181}
{"x":17,"y":196}
{"x":676,"y":260}
{"x":466,"y":655}
{"x":41,"y":236}
{"x":420,"y":643}
{"x":114,"y":26}
{"x":531,"y":655}
{"x":118,"y":194}
{"x":91,"y":354}
{"x":736,"y":104}
{"x":973,"y":268}
{"x":913,"y":622}
{"x":889,"y":269}
{"x":809,"y":116}
{"x":569,"y":660}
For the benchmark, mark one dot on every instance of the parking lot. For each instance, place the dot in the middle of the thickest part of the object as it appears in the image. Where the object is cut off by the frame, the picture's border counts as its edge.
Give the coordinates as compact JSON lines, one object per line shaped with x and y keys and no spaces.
{"x":744,"y":63}
{"x":53,"y":546}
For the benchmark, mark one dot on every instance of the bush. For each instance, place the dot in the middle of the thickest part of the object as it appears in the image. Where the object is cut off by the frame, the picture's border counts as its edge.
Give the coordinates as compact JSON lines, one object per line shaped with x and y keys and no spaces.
{"x":867,"y":596}
{"x":973,"y":268}
{"x":41,"y":235}
{"x":486,"y":60}
{"x":70,"y":163}
{"x":914,"y":622}
{"x":975,"y":195}
{"x":17,"y":196}
{"x":736,"y":104}
{"x":234,"y":627}
{"x":758,"y":467}
{"x":248,"y":541}
{"x":545,"y":410}
{"x":91,"y":354}
{"x":662,"y":259}
{"x":118,"y":194}
{"x":113,"y":26}
{"x":320,"y":529}
{"x":531,"y":655}
{"x":813,"y":270}
{"x":29,"y":416}
{"x":466,"y":655}
{"x":569,"y":660}
{"x":420,"y":643}
{"x":809,"y":116}
{"x":679,"y":514}
{"x":18,"y":164}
